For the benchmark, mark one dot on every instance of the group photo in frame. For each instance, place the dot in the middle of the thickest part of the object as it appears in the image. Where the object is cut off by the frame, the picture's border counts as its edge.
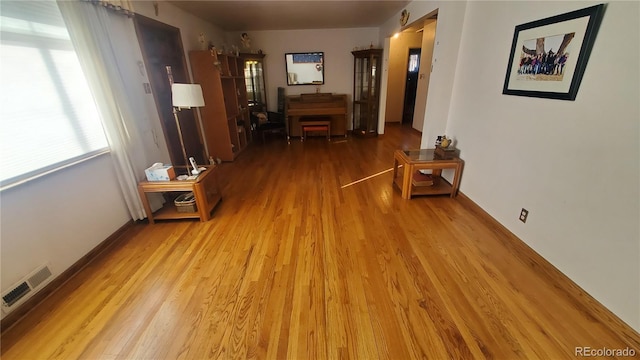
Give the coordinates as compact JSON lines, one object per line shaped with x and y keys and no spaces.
{"x":549,"y":56}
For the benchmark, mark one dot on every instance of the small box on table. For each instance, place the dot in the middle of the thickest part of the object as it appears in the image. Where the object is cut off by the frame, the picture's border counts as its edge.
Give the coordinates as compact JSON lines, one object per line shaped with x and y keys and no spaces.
{"x":446,"y":153}
{"x":160,"y":172}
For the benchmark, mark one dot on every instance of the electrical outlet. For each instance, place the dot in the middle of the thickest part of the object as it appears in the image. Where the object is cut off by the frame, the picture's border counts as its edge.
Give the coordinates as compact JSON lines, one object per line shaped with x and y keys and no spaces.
{"x":523,"y":215}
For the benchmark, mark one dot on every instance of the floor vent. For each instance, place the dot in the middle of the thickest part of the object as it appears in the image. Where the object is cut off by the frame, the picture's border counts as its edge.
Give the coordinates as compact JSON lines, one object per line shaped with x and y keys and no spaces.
{"x":26,"y":287}
{"x":16,"y":294}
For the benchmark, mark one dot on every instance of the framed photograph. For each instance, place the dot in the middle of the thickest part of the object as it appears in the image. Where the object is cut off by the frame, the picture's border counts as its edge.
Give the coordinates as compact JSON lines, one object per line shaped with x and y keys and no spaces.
{"x":548,"y":57}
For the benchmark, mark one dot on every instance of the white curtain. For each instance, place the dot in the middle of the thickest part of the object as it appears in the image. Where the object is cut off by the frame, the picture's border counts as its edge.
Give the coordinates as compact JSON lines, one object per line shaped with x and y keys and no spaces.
{"x":122,"y":6}
{"x":100,"y":38}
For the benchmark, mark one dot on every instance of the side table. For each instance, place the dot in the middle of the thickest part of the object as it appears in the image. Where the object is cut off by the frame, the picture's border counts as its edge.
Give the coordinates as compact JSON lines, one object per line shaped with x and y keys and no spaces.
{"x":205,"y":187}
{"x":414,"y":160}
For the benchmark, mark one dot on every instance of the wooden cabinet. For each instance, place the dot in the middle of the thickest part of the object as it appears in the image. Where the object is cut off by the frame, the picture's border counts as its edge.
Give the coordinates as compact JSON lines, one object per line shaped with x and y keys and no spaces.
{"x":367,"y":69}
{"x":254,"y":80}
{"x":225,"y":115}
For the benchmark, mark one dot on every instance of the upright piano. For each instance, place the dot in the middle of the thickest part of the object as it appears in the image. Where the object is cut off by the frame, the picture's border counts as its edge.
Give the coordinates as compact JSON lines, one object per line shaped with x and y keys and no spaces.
{"x":320,"y":106}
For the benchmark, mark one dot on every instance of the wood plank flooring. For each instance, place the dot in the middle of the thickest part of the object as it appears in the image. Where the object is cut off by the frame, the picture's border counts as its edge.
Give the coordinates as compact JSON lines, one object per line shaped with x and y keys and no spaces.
{"x":293,"y":266}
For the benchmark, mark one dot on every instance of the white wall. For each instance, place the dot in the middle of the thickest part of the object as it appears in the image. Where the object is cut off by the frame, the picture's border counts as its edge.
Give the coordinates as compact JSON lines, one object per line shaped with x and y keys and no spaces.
{"x":336,"y":44}
{"x":549,"y":156}
{"x":58,"y":218}
{"x":573,"y":164}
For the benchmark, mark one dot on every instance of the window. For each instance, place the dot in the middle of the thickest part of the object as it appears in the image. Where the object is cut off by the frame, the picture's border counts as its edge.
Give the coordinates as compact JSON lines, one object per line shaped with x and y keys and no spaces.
{"x":414,"y":62}
{"x":48,"y":118}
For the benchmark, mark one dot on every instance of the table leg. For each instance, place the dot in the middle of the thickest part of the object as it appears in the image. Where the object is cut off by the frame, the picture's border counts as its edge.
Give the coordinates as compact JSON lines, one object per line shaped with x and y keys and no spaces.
{"x":395,"y":170}
{"x":406,"y":181}
{"x":145,"y":203}
{"x":456,"y":180}
{"x":201,"y":202}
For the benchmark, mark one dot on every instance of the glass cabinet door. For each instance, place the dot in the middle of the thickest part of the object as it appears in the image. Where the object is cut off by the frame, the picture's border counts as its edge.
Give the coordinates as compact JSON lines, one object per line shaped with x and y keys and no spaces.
{"x":362,"y":78}
{"x":254,"y":81}
{"x":366,"y":88}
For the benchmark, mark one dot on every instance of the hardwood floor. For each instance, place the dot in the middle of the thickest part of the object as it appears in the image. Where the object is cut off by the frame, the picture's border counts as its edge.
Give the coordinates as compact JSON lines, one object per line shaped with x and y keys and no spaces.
{"x":293,"y":266}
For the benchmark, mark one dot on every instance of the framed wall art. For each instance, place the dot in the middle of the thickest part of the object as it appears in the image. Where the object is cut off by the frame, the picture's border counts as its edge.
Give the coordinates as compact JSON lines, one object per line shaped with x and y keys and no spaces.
{"x":549,"y":56}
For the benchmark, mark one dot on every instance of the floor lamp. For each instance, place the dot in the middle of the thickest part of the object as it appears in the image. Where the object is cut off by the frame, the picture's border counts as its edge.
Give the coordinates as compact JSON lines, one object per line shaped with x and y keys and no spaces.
{"x":185,"y":96}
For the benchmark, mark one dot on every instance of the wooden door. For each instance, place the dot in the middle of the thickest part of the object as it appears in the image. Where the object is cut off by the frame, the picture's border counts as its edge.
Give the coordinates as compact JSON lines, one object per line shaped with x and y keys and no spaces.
{"x":411,"y":86}
{"x":161,"y":46}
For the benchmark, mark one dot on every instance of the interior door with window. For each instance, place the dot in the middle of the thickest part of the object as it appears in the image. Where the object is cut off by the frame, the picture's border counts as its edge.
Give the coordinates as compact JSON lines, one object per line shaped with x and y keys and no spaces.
{"x":411,"y":86}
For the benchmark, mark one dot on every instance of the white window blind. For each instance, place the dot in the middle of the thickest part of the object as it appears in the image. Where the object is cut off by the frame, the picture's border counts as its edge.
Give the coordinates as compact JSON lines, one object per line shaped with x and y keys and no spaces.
{"x":48,"y":118}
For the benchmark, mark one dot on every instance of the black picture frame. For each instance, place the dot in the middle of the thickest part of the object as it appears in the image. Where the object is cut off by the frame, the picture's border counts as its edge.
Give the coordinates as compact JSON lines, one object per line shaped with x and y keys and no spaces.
{"x":541,"y":72}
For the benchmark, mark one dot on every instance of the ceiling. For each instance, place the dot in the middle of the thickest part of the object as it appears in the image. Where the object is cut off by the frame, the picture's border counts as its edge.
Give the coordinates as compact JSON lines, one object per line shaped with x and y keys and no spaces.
{"x":241,"y":15}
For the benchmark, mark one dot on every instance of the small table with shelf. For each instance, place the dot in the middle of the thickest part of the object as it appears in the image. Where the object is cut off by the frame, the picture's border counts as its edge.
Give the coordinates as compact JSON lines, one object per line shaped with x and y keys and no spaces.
{"x":205,"y":188}
{"x":414,"y":160}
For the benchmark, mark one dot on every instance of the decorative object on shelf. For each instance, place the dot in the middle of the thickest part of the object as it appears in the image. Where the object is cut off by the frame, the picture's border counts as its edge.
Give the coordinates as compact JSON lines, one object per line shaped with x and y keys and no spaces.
{"x":196,"y":169}
{"x":185,"y":96}
{"x":445,"y":142}
{"x":246,"y":41}
{"x":202,"y":41}
{"x":549,"y":56}
{"x":404,"y":17}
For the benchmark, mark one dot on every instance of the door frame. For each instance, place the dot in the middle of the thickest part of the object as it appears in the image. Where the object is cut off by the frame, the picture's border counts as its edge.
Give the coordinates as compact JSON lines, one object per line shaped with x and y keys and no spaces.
{"x":193,"y":133}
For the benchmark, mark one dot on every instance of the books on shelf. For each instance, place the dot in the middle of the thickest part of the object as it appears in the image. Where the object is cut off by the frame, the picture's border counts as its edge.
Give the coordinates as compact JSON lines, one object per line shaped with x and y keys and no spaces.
{"x":420,"y":179}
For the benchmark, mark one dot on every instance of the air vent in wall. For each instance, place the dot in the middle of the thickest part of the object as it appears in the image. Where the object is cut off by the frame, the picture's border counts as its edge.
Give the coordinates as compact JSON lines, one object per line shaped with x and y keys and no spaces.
{"x":16,"y":294}
{"x":26,"y":288}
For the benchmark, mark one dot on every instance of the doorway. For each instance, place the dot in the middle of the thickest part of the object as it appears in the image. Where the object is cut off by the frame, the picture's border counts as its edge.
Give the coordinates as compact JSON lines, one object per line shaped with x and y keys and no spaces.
{"x":161,"y":46}
{"x":411,"y":85}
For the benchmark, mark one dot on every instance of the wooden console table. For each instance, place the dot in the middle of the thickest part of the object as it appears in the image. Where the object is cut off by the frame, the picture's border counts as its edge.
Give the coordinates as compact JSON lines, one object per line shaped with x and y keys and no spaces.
{"x":414,"y":160}
{"x":205,"y":188}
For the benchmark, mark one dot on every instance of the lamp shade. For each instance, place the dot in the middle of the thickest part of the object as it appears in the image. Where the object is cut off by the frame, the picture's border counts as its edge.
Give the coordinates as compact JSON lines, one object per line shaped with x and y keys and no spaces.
{"x":186,"y":95}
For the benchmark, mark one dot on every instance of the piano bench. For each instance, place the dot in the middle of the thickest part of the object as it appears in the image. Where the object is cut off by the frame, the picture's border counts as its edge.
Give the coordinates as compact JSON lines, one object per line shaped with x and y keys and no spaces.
{"x":316,"y":125}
